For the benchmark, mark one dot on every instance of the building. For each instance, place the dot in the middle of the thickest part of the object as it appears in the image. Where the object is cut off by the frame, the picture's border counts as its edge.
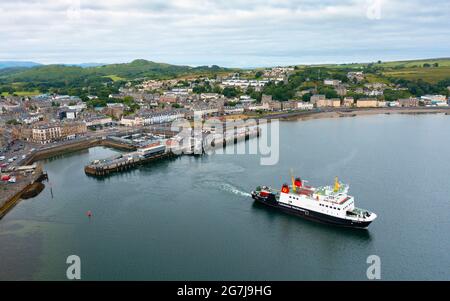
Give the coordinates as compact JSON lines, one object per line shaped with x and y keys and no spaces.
{"x":258,"y":107}
{"x":203,"y":112}
{"x":409,"y":102}
{"x":434,"y":100}
{"x":246,"y":99}
{"x":70,"y":130}
{"x":367,"y":103}
{"x":289,"y":105}
{"x":305,"y":105}
{"x":98,"y":121}
{"x":68,"y":114}
{"x":244,"y":84}
{"x":381,"y":104}
{"x":238,"y":109}
{"x":318,"y":100}
{"x":209,"y":96}
{"x":341,"y":90}
{"x":355,"y":76}
{"x":46,"y":133}
{"x":348,"y":102}
{"x":131,"y":121}
{"x":115,"y":110}
{"x":22,"y":132}
{"x":168,"y":99}
{"x":162,"y":117}
{"x":331,"y":82}
{"x":335,"y":102}
{"x":275,"y":105}
{"x":266,"y":98}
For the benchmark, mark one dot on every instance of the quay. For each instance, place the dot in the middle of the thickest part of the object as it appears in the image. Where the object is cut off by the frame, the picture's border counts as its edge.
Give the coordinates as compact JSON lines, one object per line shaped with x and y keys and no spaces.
{"x":27,"y":183}
{"x":101,"y":168}
{"x":154,"y":149}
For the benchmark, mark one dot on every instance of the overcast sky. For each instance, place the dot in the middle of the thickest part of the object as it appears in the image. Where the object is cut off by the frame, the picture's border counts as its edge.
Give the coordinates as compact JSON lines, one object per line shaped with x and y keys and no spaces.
{"x":231,"y":33}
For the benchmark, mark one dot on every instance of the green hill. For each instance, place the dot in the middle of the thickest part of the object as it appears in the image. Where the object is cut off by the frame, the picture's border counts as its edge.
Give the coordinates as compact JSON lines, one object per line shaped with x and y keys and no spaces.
{"x":81,"y":81}
{"x":126,"y":71}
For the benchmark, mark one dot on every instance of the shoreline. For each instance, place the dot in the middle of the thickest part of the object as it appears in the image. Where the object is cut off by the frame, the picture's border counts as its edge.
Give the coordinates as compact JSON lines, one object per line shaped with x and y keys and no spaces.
{"x":11,"y":200}
{"x":26,"y":187}
{"x":310,"y":115}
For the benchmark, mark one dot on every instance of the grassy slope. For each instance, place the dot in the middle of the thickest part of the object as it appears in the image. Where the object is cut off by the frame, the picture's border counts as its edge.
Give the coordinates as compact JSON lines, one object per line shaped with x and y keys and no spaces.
{"x":410,"y":70}
{"x":22,"y":93}
{"x":133,"y":70}
{"x":431,"y":75}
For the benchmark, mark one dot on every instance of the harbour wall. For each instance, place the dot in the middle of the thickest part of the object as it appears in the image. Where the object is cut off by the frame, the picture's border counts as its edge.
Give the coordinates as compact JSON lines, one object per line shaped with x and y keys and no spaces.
{"x":25,"y":186}
{"x":69,"y":147}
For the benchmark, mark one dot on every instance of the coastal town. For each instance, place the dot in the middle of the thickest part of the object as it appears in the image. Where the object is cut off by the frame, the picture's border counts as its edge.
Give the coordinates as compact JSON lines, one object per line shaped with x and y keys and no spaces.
{"x":31,"y":125}
{"x":224,"y":148}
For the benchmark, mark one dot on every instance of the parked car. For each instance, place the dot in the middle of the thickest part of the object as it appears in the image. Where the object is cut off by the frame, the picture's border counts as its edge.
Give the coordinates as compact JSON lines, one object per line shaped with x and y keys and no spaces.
{"x":2,"y":158}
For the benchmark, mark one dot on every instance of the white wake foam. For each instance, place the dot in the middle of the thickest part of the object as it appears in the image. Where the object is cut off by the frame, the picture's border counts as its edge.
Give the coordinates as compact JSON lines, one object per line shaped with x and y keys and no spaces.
{"x":234,"y":190}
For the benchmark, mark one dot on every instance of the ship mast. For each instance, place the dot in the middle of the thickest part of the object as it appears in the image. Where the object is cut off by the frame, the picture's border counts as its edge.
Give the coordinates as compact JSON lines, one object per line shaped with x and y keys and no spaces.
{"x":337,"y":186}
{"x":293,"y":181}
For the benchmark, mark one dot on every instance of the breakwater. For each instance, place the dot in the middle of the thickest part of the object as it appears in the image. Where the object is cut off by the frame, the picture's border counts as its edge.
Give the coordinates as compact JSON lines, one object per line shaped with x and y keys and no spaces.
{"x":122,"y":163}
{"x":25,"y":186}
{"x":208,"y":141}
{"x":74,"y":146}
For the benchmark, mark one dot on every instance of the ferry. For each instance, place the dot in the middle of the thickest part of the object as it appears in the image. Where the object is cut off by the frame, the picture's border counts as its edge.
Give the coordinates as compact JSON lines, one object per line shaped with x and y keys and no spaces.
{"x":331,"y":205}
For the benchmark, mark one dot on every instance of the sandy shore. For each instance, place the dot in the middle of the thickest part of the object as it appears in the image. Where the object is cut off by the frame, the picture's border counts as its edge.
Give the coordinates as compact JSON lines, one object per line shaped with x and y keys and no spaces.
{"x":301,"y":115}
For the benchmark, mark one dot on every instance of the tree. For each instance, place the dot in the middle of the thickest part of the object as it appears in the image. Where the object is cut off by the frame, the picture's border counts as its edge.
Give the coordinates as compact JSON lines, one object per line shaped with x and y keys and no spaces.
{"x":328,"y":92}
{"x":13,"y":122}
{"x":393,"y":95}
{"x":230,"y":92}
{"x":306,"y":97}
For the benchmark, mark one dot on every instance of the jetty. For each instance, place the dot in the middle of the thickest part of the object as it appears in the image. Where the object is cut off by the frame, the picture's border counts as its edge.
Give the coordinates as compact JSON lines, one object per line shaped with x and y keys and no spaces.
{"x":148,"y":148}
{"x":104,"y":167}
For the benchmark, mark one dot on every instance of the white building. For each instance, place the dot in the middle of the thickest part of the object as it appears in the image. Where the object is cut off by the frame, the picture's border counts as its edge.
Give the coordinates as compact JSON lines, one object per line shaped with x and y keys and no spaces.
{"x":305,"y":106}
{"x":331,"y":82}
{"x":435,"y":100}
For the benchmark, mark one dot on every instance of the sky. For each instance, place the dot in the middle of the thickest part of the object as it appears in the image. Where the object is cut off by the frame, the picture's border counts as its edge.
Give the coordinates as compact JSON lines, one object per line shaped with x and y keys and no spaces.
{"x":229,"y":33}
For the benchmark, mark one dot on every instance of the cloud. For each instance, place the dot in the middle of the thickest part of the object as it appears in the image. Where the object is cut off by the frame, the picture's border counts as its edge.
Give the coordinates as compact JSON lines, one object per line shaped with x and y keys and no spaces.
{"x":230,"y":33}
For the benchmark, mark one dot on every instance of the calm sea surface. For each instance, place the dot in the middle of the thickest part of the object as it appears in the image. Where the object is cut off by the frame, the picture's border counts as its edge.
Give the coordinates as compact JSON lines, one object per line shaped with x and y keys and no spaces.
{"x":193,"y":219}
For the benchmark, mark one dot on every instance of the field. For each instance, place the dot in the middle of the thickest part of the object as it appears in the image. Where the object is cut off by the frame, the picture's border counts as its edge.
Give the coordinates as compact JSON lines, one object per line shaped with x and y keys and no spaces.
{"x":23,"y":93}
{"x":417,"y":63}
{"x":372,"y":78}
{"x":431,"y":75}
{"x":115,"y":78}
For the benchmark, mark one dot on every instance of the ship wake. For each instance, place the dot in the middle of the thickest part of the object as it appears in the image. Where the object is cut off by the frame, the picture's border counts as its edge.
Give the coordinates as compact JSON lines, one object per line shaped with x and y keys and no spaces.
{"x":234,"y":190}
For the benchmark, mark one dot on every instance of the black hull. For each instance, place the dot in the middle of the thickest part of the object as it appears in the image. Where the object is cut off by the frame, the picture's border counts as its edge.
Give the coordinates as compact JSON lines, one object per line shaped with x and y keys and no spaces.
{"x":310,"y":215}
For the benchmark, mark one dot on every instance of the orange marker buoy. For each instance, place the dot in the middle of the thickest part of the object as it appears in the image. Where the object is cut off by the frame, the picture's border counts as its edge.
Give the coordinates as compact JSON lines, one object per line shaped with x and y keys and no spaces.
{"x":89,"y":213}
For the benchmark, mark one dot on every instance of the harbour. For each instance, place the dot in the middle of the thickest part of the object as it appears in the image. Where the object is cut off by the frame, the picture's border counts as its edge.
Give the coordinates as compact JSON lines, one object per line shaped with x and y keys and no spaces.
{"x":149,"y":147}
{"x":149,"y":220}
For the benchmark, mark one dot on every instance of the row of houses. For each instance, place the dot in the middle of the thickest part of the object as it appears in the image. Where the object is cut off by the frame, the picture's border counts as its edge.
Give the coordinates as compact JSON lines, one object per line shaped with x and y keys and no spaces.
{"x":244,"y":84}
{"x":320,"y":101}
{"x":45,"y":133}
{"x":153,"y":118}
